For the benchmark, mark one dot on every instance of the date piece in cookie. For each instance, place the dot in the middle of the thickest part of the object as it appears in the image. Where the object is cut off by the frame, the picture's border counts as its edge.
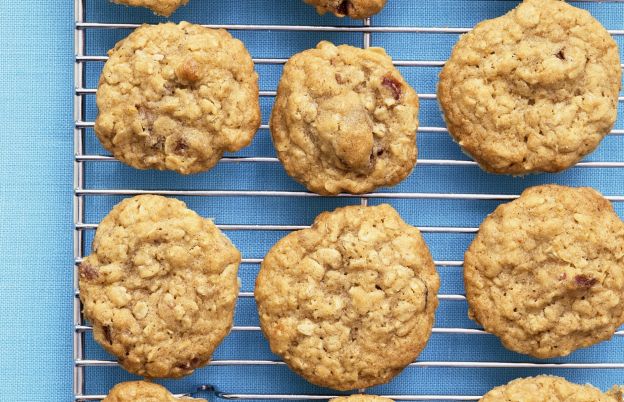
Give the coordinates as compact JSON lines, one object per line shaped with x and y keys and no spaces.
{"x":349,"y":302}
{"x":545,"y":273}
{"x":344,"y":120}
{"x":160,"y":286}
{"x":549,"y":389}
{"x":160,"y":7}
{"x":143,"y":391}
{"x":532,"y":91}
{"x":176,"y":97}
{"x":357,"y":9}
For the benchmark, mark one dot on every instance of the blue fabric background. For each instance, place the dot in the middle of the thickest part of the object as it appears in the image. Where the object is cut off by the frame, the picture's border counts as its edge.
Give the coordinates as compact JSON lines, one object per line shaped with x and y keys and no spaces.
{"x":36,"y":56}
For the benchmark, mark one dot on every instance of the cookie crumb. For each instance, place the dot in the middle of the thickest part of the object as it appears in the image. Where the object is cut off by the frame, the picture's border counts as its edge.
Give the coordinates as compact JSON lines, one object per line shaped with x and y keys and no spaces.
{"x":189,"y":70}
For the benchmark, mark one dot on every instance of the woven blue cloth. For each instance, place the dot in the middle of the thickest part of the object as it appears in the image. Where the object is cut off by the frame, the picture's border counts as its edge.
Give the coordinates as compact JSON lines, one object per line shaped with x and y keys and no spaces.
{"x":36,"y":81}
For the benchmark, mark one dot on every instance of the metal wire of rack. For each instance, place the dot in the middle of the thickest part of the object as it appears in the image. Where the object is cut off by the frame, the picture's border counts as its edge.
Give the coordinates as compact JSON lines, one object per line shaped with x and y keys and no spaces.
{"x":367,"y":29}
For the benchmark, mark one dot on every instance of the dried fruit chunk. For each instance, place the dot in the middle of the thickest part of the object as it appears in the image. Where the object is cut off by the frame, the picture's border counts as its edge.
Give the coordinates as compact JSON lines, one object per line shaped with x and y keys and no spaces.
{"x":357,"y":9}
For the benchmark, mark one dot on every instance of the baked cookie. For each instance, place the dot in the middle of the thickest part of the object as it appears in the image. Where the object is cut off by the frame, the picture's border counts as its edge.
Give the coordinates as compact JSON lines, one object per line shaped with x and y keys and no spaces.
{"x":361,"y":398}
{"x":176,"y":97}
{"x":532,"y":91}
{"x":545,"y":273}
{"x":357,"y":9}
{"x":143,"y":391}
{"x":549,"y":389}
{"x":160,"y":286}
{"x":344,"y":120}
{"x":349,"y":302}
{"x":161,"y":7}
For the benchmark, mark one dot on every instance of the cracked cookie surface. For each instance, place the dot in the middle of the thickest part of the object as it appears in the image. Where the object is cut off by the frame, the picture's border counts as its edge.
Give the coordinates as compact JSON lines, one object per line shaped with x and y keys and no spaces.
{"x":549,"y":389}
{"x":143,"y":391}
{"x":349,"y":302}
{"x":161,"y":7}
{"x":357,"y":9}
{"x":545,"y":272}
{"x":177,"y":97}
{"x":532,"y":91}
{"x":160,"y":286}
{"x":344,"y":120}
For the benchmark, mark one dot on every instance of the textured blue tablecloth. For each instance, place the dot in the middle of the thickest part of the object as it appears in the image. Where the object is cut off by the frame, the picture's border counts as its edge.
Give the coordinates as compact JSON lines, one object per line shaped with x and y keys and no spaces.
{"x":36,"y":81}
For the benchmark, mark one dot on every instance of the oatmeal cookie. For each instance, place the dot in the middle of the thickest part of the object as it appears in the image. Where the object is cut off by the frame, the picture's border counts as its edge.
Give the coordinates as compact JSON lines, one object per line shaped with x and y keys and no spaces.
{"x":349,"y":302}
{"x":142,"y":391}
{"x":161,"y":7}
{"x":532,"y":91}
{"x":357,"y":9}
{"x":545,"y":273}
{"x":344,"y":120}
{"x":549,"y":389}
{"x":176,"y":97}
{"x":160,"y":286}
{"x":361,"y":398}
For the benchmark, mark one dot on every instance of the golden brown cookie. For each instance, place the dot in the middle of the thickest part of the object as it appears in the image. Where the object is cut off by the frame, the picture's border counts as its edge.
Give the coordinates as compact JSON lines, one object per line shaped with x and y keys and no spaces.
{"x":361,"y":398}
{"x":176,"y":97}
{"x":357,"y":9}
{"x":349,"y":302}
{"x":549,"y":389}
{"x":160,"y":286}
{"x":532,"y":91}
{"x":545,"y":273}
{"x":161,"y":7}
{"x":142,"y":391}
{"x":344,"y":120}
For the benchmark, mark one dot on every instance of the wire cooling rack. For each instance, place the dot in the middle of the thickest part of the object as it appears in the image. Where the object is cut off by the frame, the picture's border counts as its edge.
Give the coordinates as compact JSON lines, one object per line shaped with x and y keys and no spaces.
{"x":446,"y":196}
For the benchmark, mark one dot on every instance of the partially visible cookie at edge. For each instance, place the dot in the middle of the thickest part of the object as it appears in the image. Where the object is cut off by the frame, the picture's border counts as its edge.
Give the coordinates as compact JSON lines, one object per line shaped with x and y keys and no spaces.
{"x":361,"y":398}
{"x":159,"y":287}
{"x":546,"y":388}
{"x":535,"y":90}
{"x":357,"y":9}
{"x":143,"y":391}
{"x":176,"y":97}
{"x":349,"y":302}
{"x":545,"y":272}
{"x":344,"y":120}
{"x":161,"y":7}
